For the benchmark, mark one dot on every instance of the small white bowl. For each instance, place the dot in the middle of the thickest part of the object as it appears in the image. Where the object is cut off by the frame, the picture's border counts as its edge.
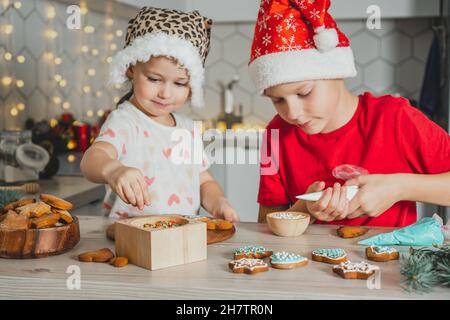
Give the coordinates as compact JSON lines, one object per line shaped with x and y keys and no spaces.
{"x":288,"y":223}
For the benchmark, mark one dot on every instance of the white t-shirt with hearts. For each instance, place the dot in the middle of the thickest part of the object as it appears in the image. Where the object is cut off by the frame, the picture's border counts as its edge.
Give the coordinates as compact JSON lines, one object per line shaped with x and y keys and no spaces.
{"x":171,"y":168}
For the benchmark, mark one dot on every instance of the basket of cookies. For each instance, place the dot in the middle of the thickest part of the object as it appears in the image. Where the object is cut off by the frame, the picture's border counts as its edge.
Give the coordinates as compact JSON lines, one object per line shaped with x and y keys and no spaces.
{"x":36,"y":228}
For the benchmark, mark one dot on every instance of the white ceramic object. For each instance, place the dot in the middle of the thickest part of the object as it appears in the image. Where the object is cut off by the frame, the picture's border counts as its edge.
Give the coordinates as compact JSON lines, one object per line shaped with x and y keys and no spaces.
{"x":314,"y":196}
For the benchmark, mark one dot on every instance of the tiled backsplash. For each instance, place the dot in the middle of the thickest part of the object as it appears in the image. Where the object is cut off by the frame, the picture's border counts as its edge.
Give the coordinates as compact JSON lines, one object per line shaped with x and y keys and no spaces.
{"x":390,"y":60}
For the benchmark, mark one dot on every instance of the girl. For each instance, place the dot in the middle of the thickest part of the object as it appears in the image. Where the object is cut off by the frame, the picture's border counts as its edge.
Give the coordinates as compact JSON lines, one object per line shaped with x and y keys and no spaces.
{"x":299,"y":60}
{"x":135,"y":152}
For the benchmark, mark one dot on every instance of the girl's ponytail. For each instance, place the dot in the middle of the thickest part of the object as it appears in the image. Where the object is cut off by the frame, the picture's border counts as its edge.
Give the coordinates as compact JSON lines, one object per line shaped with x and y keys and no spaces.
{"x":126,"y":97}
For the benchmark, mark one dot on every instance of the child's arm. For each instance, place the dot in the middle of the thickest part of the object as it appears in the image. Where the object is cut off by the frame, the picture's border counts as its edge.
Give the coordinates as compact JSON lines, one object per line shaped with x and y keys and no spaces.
{"x":213,"y":199}
{"x":379,"y":192}
{"x":100,"y":165}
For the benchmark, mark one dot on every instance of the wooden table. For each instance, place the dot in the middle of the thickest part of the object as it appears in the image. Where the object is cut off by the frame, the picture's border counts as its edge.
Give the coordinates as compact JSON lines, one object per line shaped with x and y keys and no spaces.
{"x":211,"y":279}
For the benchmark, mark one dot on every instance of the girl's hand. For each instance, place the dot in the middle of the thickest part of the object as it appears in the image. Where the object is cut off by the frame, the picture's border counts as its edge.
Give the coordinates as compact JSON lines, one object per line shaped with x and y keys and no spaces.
{"x":225,"y":211}
{"x":129,"y":184}
{"x":377,"y":193}
{"x":333,"y":205}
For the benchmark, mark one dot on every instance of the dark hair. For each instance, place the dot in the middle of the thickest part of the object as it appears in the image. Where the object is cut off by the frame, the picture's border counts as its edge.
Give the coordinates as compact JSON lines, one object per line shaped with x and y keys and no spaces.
{"x":126,"y":97}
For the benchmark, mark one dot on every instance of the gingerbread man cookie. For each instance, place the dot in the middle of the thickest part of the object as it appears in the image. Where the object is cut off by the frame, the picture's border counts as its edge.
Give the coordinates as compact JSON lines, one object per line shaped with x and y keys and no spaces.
{"x":286,"y":260}
{"x":332,"y":256}
{"x":381,"y":254}
{"x":351,"y":270}
{"x":255,"y":252}
{"x":248,"y":266}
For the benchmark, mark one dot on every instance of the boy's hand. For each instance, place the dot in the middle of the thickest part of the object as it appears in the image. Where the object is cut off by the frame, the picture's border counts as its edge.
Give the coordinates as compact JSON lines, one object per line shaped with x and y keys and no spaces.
{"x":377,"y":193}
{"x":333,"y":205}
{"x":225,"y":211}
{"x":129,"y":184}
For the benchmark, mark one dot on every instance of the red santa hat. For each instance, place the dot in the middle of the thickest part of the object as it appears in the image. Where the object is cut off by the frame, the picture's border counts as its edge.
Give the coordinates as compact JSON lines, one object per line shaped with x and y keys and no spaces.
{"x":297,"y":40}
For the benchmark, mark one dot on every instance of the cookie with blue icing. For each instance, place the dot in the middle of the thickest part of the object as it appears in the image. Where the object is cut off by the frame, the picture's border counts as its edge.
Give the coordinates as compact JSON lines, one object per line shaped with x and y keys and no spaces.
{"x":381,"y":253}
{"x":255,"y":252}
{"x":329,"y":255}
{"x":287,"y":260}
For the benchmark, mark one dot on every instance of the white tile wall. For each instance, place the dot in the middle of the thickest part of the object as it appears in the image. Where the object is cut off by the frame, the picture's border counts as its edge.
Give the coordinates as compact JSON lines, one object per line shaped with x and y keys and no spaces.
{"x":389,"y":60}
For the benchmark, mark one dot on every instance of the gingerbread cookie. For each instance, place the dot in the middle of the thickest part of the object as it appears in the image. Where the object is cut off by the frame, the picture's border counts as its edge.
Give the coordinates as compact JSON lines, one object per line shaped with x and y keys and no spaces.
{"x":13,"y":221}
{"x":56,"y":202}
{"x":255,"y":252}
{"x":64,"y":215}
{"x":119,"y":262}
{"x":351,"y":270}
{"x":101,"y":255}
{"x":332,"y":256}
{"x":381,"y":254}
{"x":45,"y":221}
{"x":34,"y":210}
{"x":249,"y":266}
{"x":18,"y":203}
{"x":286,"y":260}
{"x":219,"y":224}
{"x":351,"y":231}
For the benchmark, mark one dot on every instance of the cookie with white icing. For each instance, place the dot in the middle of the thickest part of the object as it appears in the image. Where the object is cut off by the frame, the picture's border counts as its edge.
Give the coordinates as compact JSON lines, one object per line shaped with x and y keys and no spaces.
{"x":355,"y":270}
{"x":248,"y":266}
{"x":381,"y":254}
{"x":332,"y":256}
{"x":287,"y":260}
{"x":252,"y":252}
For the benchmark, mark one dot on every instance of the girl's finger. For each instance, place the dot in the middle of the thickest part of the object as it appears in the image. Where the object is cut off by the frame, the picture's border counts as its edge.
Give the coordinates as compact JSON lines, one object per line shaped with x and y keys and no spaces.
{"x":121,"y":194}
{"x":344,"y":211}
{"x":144,"y":188}
{"x":334,"y":201}
{"x":138,"y":195}
{"x":129,"y":194}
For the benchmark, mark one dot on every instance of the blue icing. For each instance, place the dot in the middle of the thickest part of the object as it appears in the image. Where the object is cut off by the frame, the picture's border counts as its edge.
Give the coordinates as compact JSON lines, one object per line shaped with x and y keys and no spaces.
{"x":251,"y":249}
{"x":330,"y":253}
{"x":381,"y":249}
{"x":286,"y":257}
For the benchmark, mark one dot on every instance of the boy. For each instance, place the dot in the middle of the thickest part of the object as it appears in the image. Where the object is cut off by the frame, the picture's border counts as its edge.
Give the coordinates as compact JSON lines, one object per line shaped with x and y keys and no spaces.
{"x":299,"y":60}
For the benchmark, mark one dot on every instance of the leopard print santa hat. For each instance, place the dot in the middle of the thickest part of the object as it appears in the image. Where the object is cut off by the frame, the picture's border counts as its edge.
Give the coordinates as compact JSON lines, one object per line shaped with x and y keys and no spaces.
{"x":184,"y":36}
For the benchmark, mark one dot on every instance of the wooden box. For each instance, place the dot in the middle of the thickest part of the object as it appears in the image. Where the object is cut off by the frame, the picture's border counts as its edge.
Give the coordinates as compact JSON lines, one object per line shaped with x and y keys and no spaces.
{"x":160,"y":248}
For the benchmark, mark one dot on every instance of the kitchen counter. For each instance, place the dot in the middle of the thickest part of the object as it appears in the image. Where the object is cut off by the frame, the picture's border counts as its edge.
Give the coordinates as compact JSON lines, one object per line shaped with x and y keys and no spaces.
{"x":76,"y":190}
{"x":211,"y":279}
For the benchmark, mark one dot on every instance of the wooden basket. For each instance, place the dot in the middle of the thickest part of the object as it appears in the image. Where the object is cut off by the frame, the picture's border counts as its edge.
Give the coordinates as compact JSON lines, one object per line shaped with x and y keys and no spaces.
{"x":39,"y":243}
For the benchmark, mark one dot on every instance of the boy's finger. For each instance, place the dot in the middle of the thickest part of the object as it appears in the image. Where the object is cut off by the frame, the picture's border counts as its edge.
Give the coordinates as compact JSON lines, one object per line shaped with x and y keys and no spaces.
{"x":359,"y":212}
{"x":322,"y":203}
{"x":344,"y":212}
{"x":334,"y":201}
{"x":352,"y":182}
{"x":342,"y":201}
{"x":316,"y":186}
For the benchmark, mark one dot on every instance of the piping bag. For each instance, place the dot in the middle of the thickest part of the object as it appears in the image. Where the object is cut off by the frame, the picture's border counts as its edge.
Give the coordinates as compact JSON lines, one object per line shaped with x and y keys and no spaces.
{"x":425,"y":232}
{"x":343,"y":172}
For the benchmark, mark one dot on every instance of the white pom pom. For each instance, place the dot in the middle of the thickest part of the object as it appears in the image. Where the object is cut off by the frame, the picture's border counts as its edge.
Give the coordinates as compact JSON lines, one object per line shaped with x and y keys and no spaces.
{"x":326,"y":39}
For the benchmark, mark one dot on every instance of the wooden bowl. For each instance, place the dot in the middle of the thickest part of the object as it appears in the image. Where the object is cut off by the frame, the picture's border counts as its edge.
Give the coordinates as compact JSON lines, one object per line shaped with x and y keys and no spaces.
{"x":284,"y":227}
{"x":39,"y":243}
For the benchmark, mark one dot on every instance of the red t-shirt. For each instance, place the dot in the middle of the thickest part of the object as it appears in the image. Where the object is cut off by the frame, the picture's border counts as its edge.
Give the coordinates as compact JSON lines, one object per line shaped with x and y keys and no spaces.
{"x":385,"y":135}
